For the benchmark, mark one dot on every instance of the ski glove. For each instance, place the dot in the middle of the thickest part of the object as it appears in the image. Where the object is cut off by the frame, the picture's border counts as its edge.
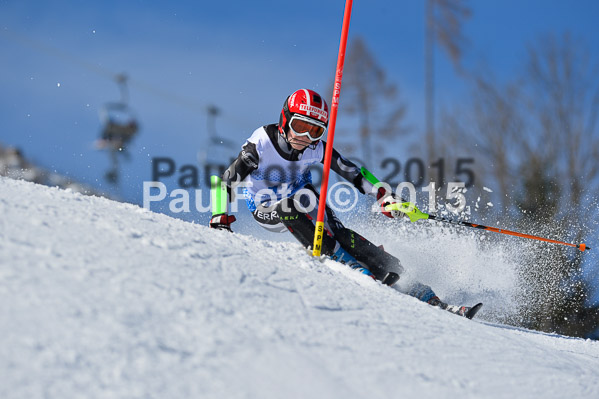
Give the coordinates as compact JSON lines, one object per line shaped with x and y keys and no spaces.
{"x":222,"y":221}
{"x":389,"y":199}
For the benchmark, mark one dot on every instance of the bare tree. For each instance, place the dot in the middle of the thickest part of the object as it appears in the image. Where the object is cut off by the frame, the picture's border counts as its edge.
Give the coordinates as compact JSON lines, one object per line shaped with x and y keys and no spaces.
{"x":562,"y":97}
{"x":487,"y":129}
{"x":541,"y":138}
{"x":444,"y":19}
{"x":368,"y":95}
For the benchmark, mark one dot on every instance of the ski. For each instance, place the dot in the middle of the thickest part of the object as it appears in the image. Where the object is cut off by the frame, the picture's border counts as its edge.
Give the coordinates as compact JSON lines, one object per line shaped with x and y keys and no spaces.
{"x":465,"y":311}
{"x":473,"y":310}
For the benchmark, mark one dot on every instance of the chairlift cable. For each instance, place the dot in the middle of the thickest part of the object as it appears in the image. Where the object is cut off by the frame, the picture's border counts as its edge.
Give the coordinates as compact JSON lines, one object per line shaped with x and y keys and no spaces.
{"x":166,"y":95}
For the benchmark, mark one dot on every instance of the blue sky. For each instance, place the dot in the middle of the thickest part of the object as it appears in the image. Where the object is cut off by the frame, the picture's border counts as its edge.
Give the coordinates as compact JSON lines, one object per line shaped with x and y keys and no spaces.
{"x":245,"y":57}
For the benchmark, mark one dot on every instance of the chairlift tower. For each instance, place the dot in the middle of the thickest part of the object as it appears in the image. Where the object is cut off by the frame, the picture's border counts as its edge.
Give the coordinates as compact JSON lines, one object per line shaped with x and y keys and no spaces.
{"x":216,"y":150}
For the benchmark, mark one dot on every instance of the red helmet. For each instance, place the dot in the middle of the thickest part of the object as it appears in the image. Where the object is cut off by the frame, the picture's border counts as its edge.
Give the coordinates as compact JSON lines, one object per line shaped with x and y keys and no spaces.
{"x":308,"y":104}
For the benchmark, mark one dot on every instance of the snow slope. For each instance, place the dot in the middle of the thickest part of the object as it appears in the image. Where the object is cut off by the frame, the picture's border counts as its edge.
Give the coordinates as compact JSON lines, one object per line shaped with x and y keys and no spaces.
{"x":100,"y":299}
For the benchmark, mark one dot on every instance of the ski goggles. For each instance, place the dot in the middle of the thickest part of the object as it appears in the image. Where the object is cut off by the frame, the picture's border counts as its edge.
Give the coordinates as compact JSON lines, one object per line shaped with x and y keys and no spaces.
{"x":308,"y":127}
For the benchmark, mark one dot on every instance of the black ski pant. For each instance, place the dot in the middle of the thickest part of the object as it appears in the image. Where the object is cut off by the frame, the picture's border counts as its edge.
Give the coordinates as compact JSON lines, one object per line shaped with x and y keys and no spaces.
{"x":297,"y":214}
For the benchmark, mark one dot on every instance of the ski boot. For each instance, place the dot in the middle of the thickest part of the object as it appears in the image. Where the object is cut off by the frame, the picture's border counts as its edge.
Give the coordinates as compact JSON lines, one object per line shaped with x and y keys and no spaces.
{"x":464,"y":311}
{"x":342,"y":256}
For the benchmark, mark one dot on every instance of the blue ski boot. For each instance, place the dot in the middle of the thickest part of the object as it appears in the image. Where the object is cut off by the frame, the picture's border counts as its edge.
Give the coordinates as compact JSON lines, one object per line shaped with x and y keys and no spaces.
{"x":342,"y":256}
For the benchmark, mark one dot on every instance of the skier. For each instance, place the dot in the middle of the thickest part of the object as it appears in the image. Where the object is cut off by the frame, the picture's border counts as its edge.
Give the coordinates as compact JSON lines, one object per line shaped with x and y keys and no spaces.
{"x":273,"y":166}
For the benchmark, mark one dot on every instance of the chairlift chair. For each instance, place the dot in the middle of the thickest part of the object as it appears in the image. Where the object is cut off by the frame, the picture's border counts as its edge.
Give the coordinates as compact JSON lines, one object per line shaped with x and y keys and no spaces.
{"x":119,"y":126}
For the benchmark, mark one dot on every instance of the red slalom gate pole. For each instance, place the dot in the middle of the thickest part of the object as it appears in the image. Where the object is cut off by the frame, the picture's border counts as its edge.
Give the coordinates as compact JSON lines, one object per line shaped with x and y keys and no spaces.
{"x":318,"y":233}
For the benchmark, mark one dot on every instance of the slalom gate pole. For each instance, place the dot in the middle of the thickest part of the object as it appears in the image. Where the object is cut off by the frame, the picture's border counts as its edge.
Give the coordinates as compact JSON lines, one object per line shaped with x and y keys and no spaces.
{"x":414,"y":214}
{"x":319,"y":231}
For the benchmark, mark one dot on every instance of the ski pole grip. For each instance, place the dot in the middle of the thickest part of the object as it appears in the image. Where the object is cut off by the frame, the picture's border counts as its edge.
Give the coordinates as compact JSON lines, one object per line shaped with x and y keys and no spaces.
{"x":369,"y":176}
{"x":218,"y":196}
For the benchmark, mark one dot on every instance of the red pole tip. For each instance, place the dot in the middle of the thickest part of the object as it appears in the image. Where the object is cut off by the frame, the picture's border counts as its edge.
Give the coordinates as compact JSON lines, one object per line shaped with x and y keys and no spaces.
{"x":583,"y":247}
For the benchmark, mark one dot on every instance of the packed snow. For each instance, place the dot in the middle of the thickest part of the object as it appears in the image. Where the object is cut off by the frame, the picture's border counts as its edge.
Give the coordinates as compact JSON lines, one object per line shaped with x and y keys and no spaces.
{"x":102,"y":299}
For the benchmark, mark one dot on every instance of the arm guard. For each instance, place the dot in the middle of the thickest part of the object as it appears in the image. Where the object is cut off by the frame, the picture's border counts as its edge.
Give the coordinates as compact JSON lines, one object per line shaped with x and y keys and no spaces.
{"x":350,"y":172}
{"x":245,"y":163}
